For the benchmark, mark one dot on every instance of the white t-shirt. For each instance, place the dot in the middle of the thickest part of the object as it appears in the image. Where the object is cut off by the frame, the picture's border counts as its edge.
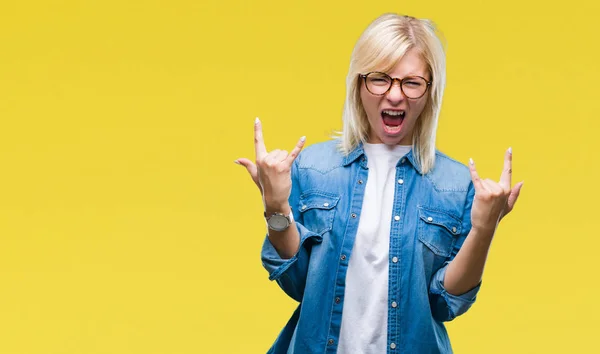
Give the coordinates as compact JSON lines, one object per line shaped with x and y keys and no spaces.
{"x":365,"y":311}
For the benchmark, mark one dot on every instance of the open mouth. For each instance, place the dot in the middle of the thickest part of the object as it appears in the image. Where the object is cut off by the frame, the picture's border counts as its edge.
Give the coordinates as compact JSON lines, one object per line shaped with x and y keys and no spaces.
{"x":392,"y":120}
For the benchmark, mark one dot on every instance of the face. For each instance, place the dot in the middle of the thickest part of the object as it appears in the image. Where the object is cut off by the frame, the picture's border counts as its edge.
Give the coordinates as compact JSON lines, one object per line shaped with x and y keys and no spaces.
{"x":392,"y":117}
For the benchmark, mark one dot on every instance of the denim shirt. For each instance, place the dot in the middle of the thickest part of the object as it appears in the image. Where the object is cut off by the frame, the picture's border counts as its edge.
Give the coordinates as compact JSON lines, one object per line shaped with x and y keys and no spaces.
{"x":430,"y":221}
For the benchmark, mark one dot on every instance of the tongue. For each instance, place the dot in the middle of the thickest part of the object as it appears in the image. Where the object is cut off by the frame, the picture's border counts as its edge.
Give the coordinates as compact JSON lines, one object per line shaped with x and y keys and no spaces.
{"x":392,"y":121}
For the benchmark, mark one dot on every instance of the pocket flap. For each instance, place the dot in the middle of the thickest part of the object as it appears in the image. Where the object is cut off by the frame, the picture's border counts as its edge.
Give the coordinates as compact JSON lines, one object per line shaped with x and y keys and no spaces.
{"x":317,"y":200}
{"x":441,"y":218}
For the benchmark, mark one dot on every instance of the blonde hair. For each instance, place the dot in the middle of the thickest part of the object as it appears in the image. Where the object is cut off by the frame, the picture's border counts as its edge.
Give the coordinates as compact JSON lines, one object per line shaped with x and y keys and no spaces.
{"x":379,"y":48}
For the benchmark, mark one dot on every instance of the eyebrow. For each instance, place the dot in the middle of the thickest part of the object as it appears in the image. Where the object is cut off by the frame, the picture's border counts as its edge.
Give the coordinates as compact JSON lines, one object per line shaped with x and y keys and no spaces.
{"x":411,"y":74}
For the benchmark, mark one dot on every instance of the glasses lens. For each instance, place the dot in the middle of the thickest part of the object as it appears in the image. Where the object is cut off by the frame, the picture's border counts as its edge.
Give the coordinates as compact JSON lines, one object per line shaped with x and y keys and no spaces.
{"x":378,"y":83}
{"x":414,"y":87}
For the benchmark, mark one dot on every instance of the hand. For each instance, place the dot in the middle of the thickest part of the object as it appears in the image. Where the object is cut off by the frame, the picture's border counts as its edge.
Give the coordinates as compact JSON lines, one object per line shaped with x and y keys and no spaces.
{"x":272,"y":171}
{"x":493,"y":200}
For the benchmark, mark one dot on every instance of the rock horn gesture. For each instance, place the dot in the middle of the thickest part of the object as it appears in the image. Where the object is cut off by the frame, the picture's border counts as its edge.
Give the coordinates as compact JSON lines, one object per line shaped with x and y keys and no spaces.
{"x":272,"y":170}
{"x":493,"y":200}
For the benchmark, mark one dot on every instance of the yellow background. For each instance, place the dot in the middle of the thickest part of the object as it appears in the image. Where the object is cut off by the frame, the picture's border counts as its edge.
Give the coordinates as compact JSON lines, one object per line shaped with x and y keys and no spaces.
{"x":125,"y":226}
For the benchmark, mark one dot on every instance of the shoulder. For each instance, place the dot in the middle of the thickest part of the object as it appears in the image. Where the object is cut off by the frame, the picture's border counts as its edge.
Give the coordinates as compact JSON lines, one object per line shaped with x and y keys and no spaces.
{"x":449,"y":174}
{"x":323,"y":156}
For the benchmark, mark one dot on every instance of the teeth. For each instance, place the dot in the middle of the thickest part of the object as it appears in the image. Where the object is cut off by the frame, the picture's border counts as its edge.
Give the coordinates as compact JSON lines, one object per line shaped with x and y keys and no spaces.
{"x":393,"y":129}
{"x":393,"y":113}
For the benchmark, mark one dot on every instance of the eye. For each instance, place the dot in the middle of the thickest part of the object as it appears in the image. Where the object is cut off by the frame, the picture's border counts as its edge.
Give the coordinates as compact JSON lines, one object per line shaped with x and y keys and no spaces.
{"x":378,"y":80}
{"x":413,"y":83}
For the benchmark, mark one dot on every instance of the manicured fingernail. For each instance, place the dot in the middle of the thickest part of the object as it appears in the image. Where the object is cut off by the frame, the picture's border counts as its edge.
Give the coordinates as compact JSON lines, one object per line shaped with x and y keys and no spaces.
{"x":256,"y":121}
{"x":303,"y":138}
{"x":471,"y":161}
{"x":236,"y":162}
{"x":510,"y":150}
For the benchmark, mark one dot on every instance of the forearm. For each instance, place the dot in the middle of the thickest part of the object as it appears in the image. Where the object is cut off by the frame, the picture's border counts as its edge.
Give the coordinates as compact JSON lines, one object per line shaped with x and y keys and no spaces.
{"x":286,"y":242}
{"x":466,"y":269}
{"x":289,"y":270}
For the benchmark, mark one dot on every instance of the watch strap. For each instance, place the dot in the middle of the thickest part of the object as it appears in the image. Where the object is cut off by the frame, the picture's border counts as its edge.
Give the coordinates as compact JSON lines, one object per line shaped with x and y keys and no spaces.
{"x":290,"y":216}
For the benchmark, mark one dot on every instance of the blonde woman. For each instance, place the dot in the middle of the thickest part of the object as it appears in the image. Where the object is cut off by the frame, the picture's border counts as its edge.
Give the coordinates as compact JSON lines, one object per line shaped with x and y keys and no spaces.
{"x":380,"y":237}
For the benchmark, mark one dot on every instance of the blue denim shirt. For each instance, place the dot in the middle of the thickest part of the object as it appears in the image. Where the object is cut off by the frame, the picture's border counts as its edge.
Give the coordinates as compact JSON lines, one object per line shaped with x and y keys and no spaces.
{"x":326,"y":199}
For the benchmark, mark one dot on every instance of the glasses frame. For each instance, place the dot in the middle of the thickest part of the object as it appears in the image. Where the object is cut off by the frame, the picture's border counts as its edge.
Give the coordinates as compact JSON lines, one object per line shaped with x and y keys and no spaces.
{"x":392,"y":80}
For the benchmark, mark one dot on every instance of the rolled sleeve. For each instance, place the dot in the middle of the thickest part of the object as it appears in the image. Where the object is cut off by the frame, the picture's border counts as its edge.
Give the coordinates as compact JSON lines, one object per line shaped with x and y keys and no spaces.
{"x":446,"y":306}
{"x":290,"y":273}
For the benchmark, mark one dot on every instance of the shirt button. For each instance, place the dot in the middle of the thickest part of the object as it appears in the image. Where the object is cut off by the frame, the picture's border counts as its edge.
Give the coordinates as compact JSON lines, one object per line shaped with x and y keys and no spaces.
{"x":303,"y":207}
{"x":403,"y":160}
{"x":394,"y":304}
{"x":325,"y":205}
{"x":337,"y":300}
{"x":395,"y":259}
{"x":454,"y":229}
{"x":396,"y":218}
{"x":330,"y":342}
{"x":353,"y":215}
{"x":393,"y":345}
{"x":360,"y":181}
{"x":343,"y":257}
{"x":400,"y":181}
{"x":430,"y":219}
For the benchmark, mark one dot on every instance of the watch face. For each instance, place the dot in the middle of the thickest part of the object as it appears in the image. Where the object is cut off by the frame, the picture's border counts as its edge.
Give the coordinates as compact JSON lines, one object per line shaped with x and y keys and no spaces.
{"x":278,"y":222}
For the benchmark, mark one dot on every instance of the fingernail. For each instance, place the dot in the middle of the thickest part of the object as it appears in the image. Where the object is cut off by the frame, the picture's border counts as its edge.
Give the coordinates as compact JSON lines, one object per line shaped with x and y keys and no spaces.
{"x":303,"y":138}
{"x":471,"y":161}
{"x":510,"y":150}
{"x":236,"y":162}
{"x":256,"y":121}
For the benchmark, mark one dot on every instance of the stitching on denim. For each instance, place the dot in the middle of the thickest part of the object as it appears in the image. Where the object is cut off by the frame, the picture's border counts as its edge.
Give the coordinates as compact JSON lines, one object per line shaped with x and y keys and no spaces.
{"x":439,"y":189}
{"x":436,"y":251}
{"x":312,"y":167}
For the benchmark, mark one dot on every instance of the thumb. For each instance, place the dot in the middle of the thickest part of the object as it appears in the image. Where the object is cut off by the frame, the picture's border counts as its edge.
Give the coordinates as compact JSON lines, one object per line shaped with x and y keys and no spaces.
{"x":251,"y":168}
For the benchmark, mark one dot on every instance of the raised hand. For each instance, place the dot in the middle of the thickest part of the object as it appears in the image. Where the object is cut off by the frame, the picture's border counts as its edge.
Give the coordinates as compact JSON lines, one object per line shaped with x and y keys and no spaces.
{"x":272,"y":171}
{"x":493,"y":200}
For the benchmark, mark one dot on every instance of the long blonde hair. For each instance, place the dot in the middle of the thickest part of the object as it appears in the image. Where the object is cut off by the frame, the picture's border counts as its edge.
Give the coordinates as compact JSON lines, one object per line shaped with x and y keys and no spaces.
{"x":379,"y":48}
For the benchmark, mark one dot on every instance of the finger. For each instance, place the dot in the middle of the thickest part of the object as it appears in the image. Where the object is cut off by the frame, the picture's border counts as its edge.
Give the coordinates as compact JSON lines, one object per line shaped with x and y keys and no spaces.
{"x":250,"y":167}
{"x":492,"y":186}
{"x":296,"y":150}
{"x":271,"y":158}
{"x":259,"y":143}
{"x":506,"y":176}
{"x":282,"y":156}
{"x":475,"y":176}
{"x":277,"y":156}
{"x":514,"y":195}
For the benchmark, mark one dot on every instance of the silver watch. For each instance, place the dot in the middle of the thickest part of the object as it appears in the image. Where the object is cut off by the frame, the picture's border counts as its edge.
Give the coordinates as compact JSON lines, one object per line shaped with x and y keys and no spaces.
{"x":278,"y":221}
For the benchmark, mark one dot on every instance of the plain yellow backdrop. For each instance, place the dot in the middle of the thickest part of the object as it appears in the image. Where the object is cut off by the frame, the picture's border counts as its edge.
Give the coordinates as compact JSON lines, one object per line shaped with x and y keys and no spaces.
{"x":125,"y":226}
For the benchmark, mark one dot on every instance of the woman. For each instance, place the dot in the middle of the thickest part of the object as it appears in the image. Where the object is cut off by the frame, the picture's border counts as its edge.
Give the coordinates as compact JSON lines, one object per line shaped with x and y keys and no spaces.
{"x":379,"y":236}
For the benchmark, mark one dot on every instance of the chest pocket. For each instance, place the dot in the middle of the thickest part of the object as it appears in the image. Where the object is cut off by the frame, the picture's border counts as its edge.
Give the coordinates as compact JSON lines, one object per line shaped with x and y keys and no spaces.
{"x":318,"y":210}
{"x":438,"y":231}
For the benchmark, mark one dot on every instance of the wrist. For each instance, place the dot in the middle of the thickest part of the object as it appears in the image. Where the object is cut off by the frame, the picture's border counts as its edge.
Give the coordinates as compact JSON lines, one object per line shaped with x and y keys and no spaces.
{"x":279,"y":219}
{"x":276,"y":205}
{"x":283,"y":208}
{"x":483,"y":231}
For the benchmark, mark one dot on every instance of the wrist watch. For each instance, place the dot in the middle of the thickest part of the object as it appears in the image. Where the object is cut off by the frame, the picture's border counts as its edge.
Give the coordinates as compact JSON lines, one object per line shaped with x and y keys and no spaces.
{"x":278,"y":221}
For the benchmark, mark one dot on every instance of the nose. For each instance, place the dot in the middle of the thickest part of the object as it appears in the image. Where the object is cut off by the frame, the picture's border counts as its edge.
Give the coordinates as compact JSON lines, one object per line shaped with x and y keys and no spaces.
{"x":394,"y":95}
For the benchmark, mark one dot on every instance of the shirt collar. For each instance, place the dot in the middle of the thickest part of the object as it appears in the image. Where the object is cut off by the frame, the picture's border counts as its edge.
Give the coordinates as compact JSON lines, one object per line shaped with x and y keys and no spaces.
{"x":359,"y":152}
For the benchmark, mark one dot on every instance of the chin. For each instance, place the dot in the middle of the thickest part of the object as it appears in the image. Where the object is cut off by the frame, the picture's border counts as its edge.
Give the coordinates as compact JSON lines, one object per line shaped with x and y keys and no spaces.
{"x":392,"y":140}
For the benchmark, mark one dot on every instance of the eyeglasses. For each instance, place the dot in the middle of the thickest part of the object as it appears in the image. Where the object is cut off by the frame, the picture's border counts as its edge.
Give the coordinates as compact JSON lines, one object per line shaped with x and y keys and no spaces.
{"x":379,"y":84}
